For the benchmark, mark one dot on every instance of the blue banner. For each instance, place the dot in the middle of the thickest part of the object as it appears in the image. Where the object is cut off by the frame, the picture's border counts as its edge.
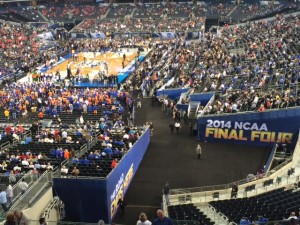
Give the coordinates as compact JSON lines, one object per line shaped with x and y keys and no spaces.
{"x":202,"y":97}
{"x":165,"y":35}
{"x":91,"y":199}
{"x":84,"y":199}
{"x":99,"y":35}
{"x":119,"y":180}
{"x":79,"y":35}
{"x":171,"y":93}
{"x":256,"y":128}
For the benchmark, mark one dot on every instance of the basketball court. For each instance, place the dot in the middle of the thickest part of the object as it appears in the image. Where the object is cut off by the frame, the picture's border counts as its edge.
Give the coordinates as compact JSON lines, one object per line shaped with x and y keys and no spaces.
{"x":92,"y":65}
{"x":88,"y":64}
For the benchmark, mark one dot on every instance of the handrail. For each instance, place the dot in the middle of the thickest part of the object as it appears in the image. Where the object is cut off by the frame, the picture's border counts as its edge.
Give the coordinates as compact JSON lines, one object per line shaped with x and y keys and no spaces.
{"x":55,"y":202}
{"x":4,"y":145}
{"x":27,"y":133}
{"x":228,"y":185}
{"x":21,"y":203}
{"x":271,"y":158}
{"x":287,"y":163}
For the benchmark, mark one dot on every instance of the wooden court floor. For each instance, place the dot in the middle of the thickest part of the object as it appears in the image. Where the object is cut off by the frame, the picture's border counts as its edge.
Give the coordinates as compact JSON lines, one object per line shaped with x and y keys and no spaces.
{"x":90,"y":63}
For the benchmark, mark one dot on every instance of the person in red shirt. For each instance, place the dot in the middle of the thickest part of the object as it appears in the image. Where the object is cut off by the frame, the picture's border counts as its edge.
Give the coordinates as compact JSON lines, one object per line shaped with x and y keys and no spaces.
{"x":114,"y":163}
{"x":41,"y":115}
{"x":8,"y":130}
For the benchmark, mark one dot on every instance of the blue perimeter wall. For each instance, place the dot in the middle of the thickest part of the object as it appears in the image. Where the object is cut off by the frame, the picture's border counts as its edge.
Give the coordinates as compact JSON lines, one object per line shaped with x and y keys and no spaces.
{"x":253,"y":128}
{"x":89,"y":200}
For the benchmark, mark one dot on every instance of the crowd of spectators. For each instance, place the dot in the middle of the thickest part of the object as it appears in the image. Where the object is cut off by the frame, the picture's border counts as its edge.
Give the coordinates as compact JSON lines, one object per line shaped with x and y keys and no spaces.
{"x":145,"y":25}
{"x":74,"y":11}
{"x":258,"y":59}
{"x":119,"y":11}
{"x":253,"y":10}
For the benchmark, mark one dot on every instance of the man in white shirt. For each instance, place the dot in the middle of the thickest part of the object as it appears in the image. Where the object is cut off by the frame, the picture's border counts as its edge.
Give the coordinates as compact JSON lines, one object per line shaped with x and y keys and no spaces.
{"x":17,"y":168}
{"x":292,"y":216}
{"x":64,"y":171}
{"x":64,"y":134}
{"x":25,"y":162}
{"x":23,"y":186}
{"x":9,"y":194}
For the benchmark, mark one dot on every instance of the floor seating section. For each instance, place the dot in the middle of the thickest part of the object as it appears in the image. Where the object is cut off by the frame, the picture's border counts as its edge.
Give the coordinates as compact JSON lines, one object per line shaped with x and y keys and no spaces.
{"x":100,"y":167}
{"x":273,"y":205}
{"x":188,"y":212}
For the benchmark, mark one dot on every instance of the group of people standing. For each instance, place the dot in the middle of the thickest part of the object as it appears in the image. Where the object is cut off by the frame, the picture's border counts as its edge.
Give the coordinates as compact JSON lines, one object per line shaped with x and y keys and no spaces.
{"x":160,"y":220}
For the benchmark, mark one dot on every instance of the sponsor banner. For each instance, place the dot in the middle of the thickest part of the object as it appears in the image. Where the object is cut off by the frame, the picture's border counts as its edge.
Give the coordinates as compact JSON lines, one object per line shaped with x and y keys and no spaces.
{"x":46,"y":36}
{"x":120,"y":178}
{"x":99,"y":35}
{"x":167,"y":35}
{"x":258,"y":128}
{"x":79,"y":35}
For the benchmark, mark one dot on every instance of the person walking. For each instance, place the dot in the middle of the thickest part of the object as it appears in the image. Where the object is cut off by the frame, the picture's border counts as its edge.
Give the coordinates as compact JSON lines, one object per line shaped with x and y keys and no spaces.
{"x":172,"y":127}
{"x":122,"y":205}
{"x":9,"y":194}
{"x":23,"y":186}
{"x":199,"y":151}
{"x":162,"y":219}
{"x":143,"y":220}
{"x":21,"y":218}
{"x":166,"y":191}
{"x":234,"y":191}
{"x":151,"y":126}
{"x":3,"y":200}
{"x":177,"y":127}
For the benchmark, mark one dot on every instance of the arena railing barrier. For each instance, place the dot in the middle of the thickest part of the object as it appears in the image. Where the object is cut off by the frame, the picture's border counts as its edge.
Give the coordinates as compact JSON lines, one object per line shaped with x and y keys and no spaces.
{"x":284,"y":175}
{"x":33,"y":192}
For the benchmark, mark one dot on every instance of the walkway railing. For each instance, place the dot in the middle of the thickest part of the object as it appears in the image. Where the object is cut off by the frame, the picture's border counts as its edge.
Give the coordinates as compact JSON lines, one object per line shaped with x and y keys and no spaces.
{"x":5,"y":145}
{"x":33,"y":191}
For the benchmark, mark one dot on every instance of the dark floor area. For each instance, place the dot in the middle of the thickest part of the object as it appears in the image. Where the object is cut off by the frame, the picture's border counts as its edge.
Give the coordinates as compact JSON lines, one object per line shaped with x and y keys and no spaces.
{"x":173,"y":158}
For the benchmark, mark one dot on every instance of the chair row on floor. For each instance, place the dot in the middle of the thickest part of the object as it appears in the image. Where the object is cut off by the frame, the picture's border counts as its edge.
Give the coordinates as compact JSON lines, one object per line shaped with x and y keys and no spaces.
{"x":273,"y":205}
{"x":188,"y":212}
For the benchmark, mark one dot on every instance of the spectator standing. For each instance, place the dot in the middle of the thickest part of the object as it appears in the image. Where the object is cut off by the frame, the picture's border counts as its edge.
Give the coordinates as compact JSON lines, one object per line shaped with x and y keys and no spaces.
{"x":122,"y":205}
{"x":177,"y":127}
{"x":21,"y":218}
{"x":12,"y":177}
{"x":138,"y":102}
{"x":3,"y":200}
{"x":10,"y":219}
{"x":23,"y":186}
{"x":75,"y":171}
{"x":234,"y":191}
{"x":143,"y":220}
{"x":9,"y":194}
{"x":162,"y":219}
{"x":151,"y":126}
{"x":6,"y":114}
{"x":172,"y":127}
{"x":199,"y":151}
{"x":43,"y":221}
{"x":166,"y":191}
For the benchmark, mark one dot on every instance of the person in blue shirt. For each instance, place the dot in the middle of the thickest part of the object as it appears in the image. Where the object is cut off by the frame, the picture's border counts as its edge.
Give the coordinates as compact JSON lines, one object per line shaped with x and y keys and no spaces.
{"x":81,"y":161}
{"x":108,"y":152}
{"x":90,"y":109}
{"x":91,"y":155}
{"x":117,"y":152}
{"x":245,"y":221}
{"x":86,"y":161}
{"x":261,"y":220}
{"x":95,"y":109}
{"x":162,"y":219}
{"x":3,"y":200}
{"x":75,"y":161}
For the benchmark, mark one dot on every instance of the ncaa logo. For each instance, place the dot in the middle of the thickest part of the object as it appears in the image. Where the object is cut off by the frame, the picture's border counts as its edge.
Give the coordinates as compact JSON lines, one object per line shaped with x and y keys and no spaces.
{"x":169,"y":35}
